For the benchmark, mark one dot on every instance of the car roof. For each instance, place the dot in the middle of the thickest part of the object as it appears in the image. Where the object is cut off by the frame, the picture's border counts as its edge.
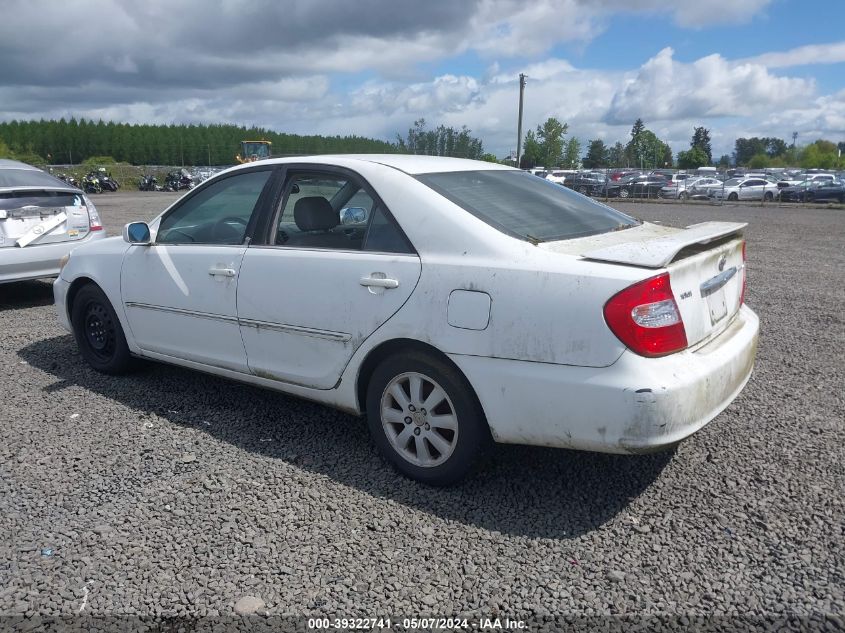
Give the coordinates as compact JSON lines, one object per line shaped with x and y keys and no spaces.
{"x":8,"y":163}
{"x":408,"y":163}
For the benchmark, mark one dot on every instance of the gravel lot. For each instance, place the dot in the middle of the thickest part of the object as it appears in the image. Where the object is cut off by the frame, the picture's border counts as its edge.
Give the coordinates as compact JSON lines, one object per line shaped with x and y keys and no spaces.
{"x":174,"y":493}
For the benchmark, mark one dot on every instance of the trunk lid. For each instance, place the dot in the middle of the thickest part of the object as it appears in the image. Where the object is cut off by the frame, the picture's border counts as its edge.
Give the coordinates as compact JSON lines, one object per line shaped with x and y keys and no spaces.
{"x":704,"y":261}
{"x":30,"y":217}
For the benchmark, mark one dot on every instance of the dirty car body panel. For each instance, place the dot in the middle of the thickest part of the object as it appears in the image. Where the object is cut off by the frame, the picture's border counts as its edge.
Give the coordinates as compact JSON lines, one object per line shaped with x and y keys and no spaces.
{"x":520,"y":311}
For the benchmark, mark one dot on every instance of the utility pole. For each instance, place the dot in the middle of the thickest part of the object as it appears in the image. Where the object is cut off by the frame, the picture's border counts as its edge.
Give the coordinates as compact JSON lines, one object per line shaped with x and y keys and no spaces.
{"x":519,"y":125}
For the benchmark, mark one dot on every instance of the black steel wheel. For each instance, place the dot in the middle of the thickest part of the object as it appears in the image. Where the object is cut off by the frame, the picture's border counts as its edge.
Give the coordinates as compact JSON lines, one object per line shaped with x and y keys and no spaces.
{"x":98,"y":332}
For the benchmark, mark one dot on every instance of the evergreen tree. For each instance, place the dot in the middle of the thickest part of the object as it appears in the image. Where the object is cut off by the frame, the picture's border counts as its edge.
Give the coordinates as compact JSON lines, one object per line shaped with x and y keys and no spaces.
{"x":597,"y":155}
{"x":701,"y":140}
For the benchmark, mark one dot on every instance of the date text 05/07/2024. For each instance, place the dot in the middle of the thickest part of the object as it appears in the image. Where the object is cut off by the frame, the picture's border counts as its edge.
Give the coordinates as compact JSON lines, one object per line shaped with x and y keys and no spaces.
{"x":410,"y":624}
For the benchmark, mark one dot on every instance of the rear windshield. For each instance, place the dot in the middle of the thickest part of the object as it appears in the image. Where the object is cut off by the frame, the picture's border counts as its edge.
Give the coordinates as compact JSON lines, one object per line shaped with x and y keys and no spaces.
{"x":28,"y":178}
{"x":524,"y":206}
{"x":42,"y":199}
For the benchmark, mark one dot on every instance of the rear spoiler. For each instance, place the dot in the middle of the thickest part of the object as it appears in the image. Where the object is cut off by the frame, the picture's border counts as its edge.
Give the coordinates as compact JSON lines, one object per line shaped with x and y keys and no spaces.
{"x":660,"y":251}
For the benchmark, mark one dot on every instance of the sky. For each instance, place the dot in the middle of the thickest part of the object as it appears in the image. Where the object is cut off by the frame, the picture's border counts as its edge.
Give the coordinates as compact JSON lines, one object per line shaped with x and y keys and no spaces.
{"x":372,"y":67}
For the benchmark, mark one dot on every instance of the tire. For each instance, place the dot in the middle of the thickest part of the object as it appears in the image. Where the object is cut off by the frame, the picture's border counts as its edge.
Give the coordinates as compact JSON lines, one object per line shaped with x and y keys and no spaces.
{"x":98,"y":332}
{"x":683,"y":195}
{"x":809,"y":197}
{"x":404,"y":430}
{"x":768,"y":196}
{"x":624,"y":193}
{"x":732,"y":197}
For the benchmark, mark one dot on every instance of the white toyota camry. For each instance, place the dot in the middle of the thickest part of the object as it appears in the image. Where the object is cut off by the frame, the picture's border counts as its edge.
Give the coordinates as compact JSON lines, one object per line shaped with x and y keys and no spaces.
{"x":454,"y":302}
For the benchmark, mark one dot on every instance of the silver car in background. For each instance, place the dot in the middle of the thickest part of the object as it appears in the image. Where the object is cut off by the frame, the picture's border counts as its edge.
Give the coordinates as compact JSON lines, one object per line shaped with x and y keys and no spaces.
{"x":746,"y":189}
{"x":41,"y":220}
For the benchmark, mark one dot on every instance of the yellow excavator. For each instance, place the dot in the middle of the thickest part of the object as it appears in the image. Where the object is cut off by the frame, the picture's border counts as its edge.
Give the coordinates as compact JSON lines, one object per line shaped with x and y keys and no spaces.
{"x":252,"y":151}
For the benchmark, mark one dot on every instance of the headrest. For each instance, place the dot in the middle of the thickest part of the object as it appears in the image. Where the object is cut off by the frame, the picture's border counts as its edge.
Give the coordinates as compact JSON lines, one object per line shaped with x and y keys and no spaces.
{"x":315,"y":213}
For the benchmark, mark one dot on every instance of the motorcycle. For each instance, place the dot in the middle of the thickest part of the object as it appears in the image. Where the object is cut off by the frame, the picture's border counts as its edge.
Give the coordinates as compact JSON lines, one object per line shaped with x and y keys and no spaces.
{"x":91,"y":183}
{"x":178,"y":180}
{"x":107,"y":183}
{"x":149,"y":183}
{"x":73,"y":182}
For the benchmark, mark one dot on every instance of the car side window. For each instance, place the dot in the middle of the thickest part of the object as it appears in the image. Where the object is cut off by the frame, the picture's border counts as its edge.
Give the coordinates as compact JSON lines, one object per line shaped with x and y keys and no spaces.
{"x":384,"y":236}
{"x":327,"y":210}
{"x":217,"y":214}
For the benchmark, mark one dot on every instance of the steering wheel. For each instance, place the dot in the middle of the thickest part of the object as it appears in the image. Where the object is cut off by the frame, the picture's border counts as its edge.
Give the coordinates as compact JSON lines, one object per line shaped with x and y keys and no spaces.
{"x":227,"y":223}
{"x":174,"y":232}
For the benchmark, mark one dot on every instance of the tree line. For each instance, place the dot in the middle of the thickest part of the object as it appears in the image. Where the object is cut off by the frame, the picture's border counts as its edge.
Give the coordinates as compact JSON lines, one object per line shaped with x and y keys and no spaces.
{"x":74,"y":141}
{"x":547,"y":147}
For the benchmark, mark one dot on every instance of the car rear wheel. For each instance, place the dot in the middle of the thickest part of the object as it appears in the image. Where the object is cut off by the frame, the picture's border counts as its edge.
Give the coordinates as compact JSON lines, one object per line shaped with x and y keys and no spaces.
{"x":683,"y":195}
{"x":425,"y":418}
{"x":98,"y":332}
{"x":733,"y":197}
{"x":768,"y":196}
{"x":624,"y":193}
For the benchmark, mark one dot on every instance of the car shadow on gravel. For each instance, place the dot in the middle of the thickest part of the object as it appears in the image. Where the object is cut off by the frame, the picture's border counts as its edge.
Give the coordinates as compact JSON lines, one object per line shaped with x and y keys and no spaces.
{"x":526,"y":491}
{"x":25,"y":294}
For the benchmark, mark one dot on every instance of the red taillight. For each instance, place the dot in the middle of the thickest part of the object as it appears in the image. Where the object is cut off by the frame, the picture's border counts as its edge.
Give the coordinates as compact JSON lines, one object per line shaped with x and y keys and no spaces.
{"x":744,"y":276}
{"x":646,"y":318}
{"x":94,"y":219}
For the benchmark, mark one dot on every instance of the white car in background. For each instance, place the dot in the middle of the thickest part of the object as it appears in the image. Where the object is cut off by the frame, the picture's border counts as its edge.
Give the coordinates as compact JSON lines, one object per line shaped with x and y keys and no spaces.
{"x":746,"y":189}
{"x":41,"y":220}
{"x":453,"y":301}
{"x":684,"y":189}
{"x":559,"y":176}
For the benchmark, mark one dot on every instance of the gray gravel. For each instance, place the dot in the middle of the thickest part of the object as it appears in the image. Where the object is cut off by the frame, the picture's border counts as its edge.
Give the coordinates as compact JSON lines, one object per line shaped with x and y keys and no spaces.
{"x":174,"y":493}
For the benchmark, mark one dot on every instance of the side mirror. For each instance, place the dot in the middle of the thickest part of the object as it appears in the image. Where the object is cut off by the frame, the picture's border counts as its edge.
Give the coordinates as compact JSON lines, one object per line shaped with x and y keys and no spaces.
{"x":137,"y":233}
{"x":353,"y":215}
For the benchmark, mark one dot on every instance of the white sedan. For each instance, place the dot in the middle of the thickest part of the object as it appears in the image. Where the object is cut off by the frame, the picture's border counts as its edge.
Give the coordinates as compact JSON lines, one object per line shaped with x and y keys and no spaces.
{"x":454,"y":302}
{"x":746,"y":189}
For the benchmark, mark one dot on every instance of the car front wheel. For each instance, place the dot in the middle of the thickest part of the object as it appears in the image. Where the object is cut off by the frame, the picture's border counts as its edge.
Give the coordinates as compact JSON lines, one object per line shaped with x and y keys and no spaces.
{"x":425,"y":418}
{"x":98,"y":332}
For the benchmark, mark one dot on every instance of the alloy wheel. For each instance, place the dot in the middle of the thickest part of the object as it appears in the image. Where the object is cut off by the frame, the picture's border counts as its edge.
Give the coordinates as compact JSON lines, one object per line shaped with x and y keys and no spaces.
{"x":419,"y":419}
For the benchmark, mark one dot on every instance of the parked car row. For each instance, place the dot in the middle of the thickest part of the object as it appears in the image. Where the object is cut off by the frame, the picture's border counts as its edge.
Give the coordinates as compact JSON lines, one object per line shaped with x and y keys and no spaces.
{"x":795,"y":186}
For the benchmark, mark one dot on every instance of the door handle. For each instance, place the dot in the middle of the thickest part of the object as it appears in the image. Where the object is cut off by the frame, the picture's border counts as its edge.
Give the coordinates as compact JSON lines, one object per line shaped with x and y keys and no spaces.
{"x":221,"y":272}
{"x":379,"y":282}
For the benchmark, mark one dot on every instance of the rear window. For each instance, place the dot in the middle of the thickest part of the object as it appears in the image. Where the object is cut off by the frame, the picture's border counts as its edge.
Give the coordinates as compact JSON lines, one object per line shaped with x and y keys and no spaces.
{"x":526,"y":207}
{"x":43,"y":199}
{"x":28,"y":178}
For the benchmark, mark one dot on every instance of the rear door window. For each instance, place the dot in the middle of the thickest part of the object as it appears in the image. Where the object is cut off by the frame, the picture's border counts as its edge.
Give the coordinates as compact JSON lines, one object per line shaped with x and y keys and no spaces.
{"x":525,"y":207}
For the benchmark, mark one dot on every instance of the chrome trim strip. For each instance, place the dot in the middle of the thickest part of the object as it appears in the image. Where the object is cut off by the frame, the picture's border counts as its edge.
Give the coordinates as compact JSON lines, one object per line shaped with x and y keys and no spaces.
{"x":297,"y":329}
{"x":200,"y":315}
{"x":714,"y":283}
{"x":277,"y":327}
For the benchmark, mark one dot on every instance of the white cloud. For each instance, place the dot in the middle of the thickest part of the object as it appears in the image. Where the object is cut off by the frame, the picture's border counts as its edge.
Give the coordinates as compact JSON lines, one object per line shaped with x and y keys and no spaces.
{"x":803,"y":55}
{"x":665,"y":89}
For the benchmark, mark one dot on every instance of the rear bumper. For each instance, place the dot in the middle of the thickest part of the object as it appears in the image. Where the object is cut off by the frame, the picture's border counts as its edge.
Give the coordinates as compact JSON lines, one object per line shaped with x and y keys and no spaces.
{"x":635,"y":405}
{"x":38,"y":260}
